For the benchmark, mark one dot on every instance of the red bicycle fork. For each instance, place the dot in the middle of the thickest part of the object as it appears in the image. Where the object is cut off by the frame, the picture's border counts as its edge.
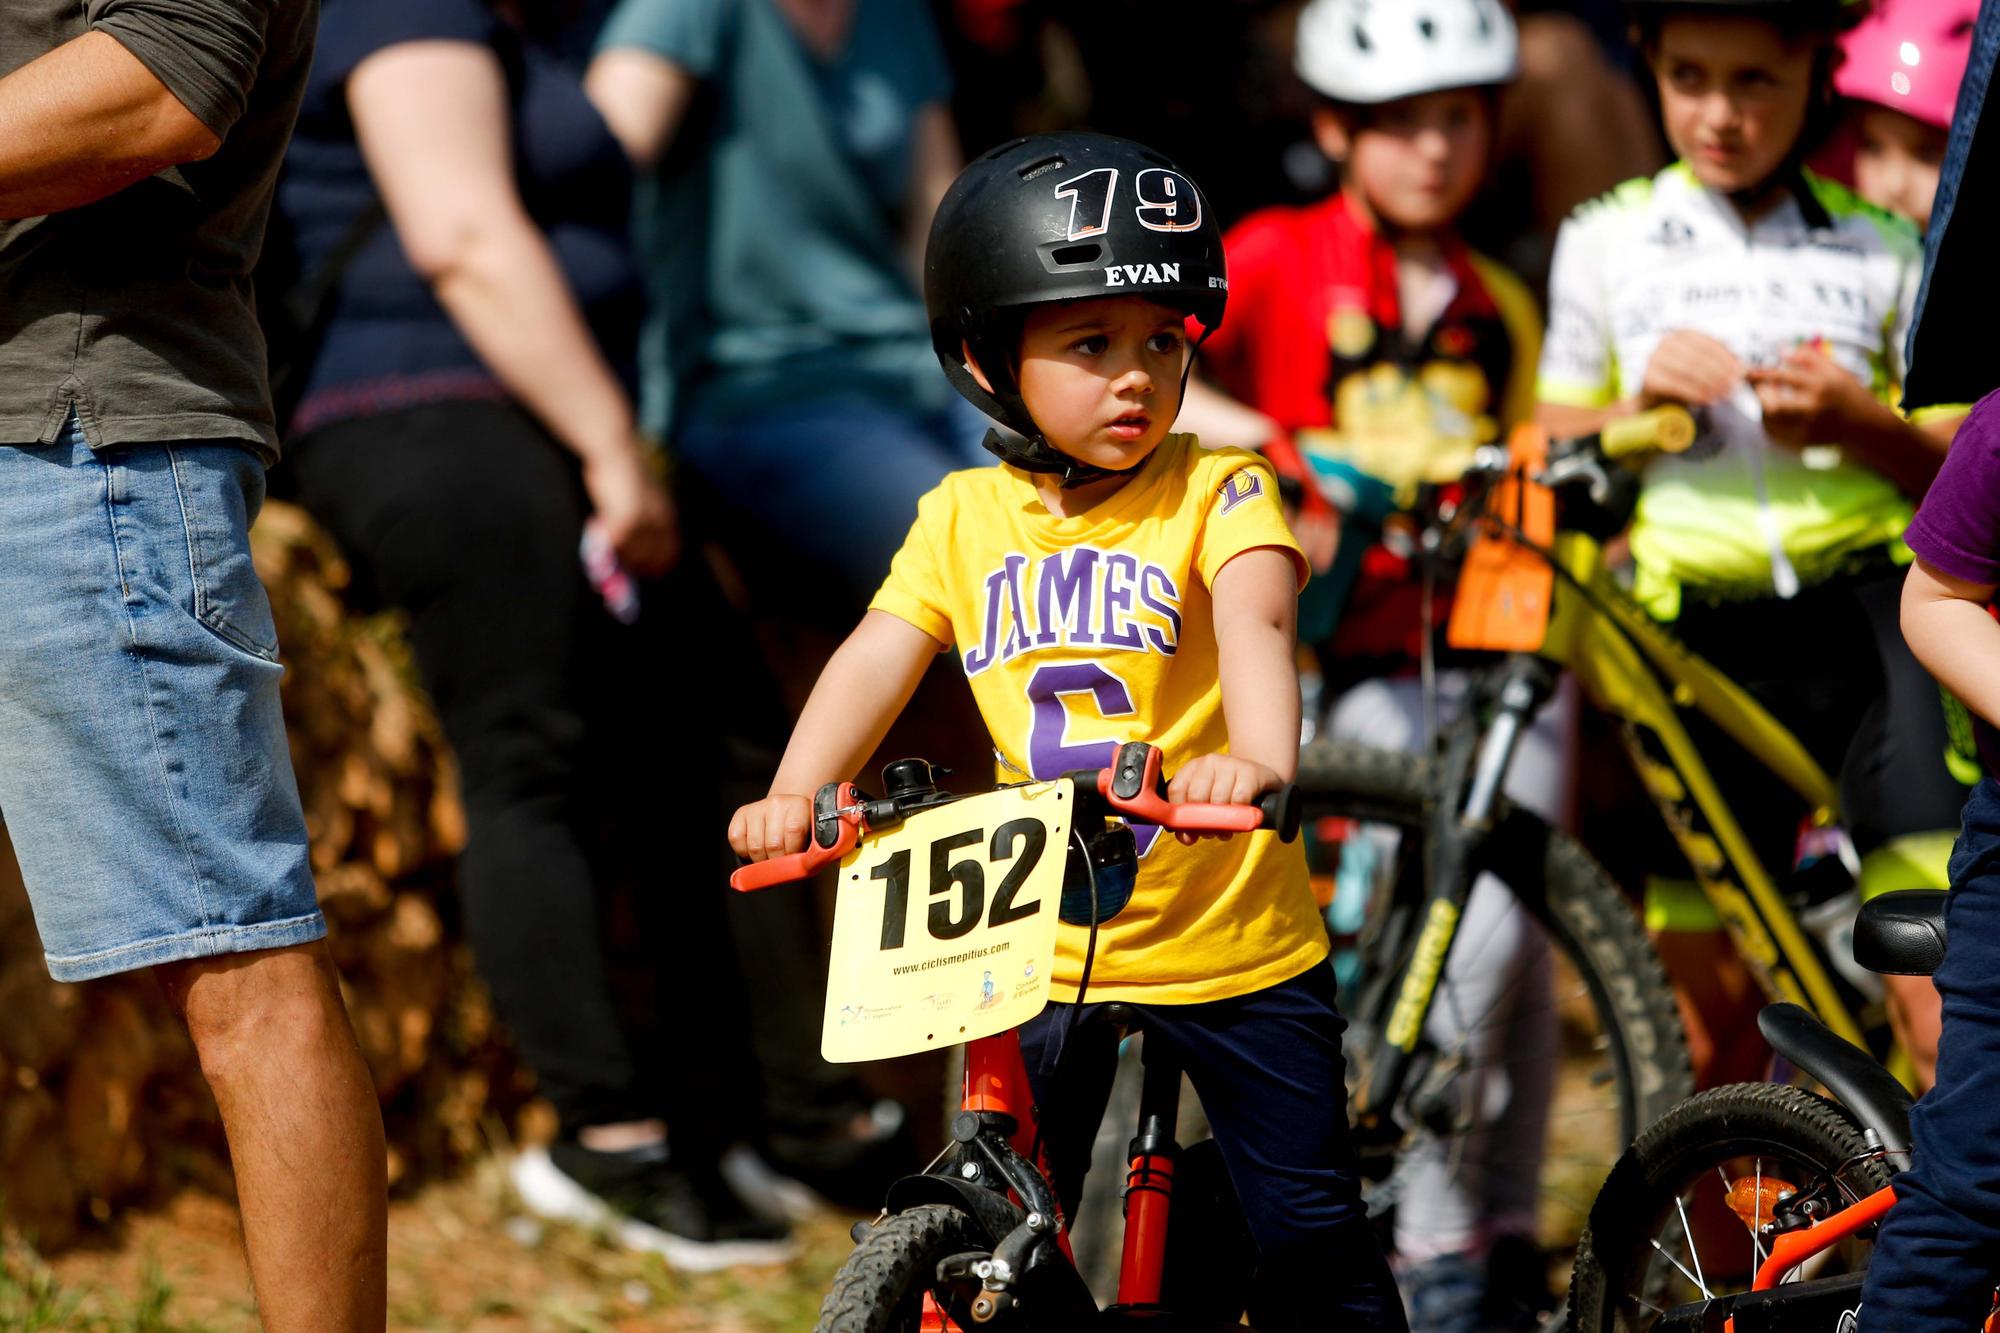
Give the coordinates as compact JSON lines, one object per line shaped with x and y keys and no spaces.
{"x":996,"y":1080}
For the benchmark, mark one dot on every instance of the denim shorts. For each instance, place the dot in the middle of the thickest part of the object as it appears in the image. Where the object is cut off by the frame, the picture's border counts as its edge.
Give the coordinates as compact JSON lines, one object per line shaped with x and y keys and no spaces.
{"x":144,"y":776}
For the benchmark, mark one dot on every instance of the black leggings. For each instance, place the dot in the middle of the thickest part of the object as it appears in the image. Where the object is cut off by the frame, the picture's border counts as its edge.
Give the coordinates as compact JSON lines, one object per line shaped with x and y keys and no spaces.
{"x":1832,"y":666}
{"x":589,"y":756}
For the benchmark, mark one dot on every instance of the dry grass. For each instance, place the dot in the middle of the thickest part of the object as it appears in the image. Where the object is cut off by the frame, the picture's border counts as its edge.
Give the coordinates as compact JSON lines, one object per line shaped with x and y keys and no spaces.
{"x":462,"y":1257}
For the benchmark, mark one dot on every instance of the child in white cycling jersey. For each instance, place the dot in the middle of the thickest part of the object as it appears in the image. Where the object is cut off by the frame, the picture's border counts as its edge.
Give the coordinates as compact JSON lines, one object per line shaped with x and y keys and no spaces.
{"x":1116,"y":582}
{"x":1739,"y":282}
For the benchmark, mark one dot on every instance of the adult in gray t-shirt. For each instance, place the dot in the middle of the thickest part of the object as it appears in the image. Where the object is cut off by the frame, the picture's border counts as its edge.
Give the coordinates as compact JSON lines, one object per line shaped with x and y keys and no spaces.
{"x":144,"y":776}
{"x":125,"y":265}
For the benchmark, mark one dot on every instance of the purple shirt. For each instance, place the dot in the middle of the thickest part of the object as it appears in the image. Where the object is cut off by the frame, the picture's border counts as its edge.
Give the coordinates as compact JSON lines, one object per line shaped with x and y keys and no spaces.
{"x":1958,"y":528}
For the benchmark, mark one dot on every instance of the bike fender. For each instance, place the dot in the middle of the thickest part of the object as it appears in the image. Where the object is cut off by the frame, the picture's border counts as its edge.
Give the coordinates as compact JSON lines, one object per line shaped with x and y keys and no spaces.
{"x":1868,"y":1091}
{"x":996,"y":1214}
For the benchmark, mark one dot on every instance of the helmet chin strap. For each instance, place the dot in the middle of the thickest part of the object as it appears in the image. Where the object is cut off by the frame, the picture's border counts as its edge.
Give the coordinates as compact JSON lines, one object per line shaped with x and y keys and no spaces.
{"x":1028,"y":449}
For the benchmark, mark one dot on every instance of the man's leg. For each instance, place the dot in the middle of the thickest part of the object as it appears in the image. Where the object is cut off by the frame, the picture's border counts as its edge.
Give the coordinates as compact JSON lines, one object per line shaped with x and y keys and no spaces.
{"x":305,"y":1131}
{"x":149,"y":791}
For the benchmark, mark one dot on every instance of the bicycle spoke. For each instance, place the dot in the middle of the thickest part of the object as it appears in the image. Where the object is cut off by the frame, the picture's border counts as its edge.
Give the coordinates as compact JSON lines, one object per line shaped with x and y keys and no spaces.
{"x":1678,"y":1264}
{"x":1694,"y":1253}
{"x":1757,"y":1215}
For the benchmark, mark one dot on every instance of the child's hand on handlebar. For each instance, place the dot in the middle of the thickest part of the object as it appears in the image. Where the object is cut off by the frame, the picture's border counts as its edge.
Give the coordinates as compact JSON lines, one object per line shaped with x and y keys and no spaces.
{"x":777,"y":825}
{"x":1220,"y":778}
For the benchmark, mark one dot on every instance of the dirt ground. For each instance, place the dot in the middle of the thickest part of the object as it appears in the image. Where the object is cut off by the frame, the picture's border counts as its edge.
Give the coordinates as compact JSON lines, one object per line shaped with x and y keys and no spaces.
{"x":462,"y":1257}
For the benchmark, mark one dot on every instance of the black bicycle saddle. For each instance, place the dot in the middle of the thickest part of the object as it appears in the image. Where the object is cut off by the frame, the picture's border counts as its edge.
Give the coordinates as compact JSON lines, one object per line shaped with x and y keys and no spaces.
{"x":1901,"y":933}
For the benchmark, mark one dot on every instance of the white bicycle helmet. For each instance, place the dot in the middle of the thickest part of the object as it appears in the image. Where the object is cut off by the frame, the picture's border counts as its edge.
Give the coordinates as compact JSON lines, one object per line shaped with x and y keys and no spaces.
{"x":1367,"y":52}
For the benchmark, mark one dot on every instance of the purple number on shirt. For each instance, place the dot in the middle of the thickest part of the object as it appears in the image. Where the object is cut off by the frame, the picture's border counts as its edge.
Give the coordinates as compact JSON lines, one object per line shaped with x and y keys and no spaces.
{"x":1050,"y":751}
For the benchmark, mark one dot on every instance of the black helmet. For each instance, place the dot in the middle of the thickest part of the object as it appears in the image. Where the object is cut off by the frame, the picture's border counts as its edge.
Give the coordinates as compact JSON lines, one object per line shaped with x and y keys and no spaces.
{"x":1060,"y":217}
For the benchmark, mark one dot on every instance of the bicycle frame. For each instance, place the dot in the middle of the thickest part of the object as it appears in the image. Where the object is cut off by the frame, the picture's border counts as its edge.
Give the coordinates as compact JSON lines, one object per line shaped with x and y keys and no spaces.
{"x":1771,"y":1304}
{"x":1636,"y":671}
{"x":1632,"y":669}
{"x":994,"y":1171}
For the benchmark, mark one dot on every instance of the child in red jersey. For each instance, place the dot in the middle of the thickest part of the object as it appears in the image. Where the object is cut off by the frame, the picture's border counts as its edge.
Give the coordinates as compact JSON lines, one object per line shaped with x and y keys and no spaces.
{"x":1363,"y":329}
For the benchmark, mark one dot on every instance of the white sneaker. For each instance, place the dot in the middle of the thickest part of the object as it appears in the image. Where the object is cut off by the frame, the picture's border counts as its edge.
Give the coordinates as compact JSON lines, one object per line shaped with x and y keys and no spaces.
{"x":770,"y":1194}
{"x":694,"y":1220}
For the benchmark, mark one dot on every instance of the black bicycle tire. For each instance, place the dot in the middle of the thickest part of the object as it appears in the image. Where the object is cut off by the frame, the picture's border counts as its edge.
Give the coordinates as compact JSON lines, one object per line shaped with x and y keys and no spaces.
{"x":894,"y":1263}
{"x":1587,"y":916}
{"x":1713,"y":1126}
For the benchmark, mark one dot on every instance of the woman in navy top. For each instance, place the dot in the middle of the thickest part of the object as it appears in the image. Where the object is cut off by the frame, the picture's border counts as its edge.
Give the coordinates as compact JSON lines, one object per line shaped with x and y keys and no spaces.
{"x":467,"y":417}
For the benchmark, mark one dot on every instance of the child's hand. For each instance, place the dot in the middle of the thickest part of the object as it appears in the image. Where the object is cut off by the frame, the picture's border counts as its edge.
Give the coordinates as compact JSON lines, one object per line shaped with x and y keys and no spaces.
{"x":1221,"y":778}
{"x":1690,"y":368}
{"x":1808,"y":399}
{"x":771,"y":827}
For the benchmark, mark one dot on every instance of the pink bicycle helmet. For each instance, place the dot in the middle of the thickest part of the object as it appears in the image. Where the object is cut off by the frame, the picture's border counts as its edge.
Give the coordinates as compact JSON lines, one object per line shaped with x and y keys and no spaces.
{"x":1910,"y":55}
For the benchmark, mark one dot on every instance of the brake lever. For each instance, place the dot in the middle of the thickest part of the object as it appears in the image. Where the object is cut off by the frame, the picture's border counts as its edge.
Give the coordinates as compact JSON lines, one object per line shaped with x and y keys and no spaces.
{"x":840,"y":820}
{"x":1579,"y":466}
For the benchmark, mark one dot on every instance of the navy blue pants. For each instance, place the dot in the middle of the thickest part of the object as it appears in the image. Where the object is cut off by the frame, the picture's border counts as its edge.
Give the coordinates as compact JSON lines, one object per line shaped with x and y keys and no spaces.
{"x":1938,"y":1258}
{"x":1268,"y":1068}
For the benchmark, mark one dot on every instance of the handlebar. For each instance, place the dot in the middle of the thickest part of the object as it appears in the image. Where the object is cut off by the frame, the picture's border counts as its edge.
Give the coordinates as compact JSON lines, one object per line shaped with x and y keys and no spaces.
{"x":1663,"y":430}
{"x":1132,"y":787}
{"x":838,"y":823}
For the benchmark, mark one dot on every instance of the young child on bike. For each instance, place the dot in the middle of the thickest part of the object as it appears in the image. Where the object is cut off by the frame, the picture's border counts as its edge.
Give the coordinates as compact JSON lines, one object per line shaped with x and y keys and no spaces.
{"x":1900,"y":71}
{"x":1738,"y":282}
{"x":1364,"y":327}
{"x":1938,"y":1257}
{"x":1116,"y":582}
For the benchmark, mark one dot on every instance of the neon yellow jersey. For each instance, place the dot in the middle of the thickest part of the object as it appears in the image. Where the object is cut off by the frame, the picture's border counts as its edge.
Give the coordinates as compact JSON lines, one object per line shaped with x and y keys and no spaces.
{"x":1079,"y":634}
{"x":1821,"y":269}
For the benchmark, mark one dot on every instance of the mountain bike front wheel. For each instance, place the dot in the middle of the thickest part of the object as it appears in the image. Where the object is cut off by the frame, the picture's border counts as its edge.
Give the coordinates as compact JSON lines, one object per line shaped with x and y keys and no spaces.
{"x":1690,"y":1212}
{"x":1605,"y":1055}
{"x":881,"y":1287}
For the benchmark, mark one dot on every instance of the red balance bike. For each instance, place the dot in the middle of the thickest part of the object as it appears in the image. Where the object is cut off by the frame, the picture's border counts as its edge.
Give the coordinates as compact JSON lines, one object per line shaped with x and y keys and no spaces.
{"x":944,"y":933}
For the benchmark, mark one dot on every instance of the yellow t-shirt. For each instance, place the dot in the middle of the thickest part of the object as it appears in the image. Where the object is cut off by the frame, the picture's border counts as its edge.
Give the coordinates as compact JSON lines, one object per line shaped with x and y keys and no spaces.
{"x":1079,"y":634}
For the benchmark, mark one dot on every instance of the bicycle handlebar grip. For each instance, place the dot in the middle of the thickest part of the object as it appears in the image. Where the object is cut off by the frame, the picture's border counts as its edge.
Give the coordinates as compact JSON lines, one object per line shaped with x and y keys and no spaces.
{"x":1132,"y":786}
{"x":769,"y":874}
{"x":786,"y":869}
{"x":1283,"y":811}
{"x":1666,"y":430}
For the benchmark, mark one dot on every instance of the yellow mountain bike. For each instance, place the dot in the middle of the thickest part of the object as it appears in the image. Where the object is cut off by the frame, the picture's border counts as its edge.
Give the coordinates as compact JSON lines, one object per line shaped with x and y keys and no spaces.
{"x":1536,"y":600}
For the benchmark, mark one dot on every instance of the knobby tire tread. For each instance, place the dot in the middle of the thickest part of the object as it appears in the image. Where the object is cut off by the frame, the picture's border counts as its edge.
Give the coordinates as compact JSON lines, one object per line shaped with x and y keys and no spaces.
{"x":1702,"y":1132}
{"x":899,"y":1257}
{"x":1587,"y":915}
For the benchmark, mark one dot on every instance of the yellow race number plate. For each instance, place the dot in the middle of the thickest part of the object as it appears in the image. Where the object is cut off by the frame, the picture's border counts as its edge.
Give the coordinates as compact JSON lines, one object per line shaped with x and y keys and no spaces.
{"x":945,"y":927}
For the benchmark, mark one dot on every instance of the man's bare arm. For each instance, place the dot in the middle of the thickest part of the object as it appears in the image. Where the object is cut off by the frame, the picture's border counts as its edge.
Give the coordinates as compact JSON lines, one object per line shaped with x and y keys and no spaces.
{"x":84,"y":121}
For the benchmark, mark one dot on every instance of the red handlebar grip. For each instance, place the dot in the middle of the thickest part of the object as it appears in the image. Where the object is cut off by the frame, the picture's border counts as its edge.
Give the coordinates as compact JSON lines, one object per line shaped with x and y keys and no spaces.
{"x":1138,"y":766}
{"x":769,"y":874}
{"x":1203,"y":817}
{"x":1149,"y":807}
{"x":799,"y":865}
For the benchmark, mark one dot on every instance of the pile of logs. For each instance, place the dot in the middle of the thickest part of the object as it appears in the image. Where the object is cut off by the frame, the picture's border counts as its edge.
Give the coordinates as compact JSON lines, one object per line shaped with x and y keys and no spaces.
{"x":100,"y":1100}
